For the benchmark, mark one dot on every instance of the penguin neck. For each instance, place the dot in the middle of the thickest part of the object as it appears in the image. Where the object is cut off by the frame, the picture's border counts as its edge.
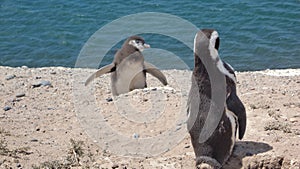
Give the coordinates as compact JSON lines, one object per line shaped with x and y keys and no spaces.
{"x":125,"y":52}
{"x":201,"y":78}
{"x":200,"y":69}
{"x":128,"y":50}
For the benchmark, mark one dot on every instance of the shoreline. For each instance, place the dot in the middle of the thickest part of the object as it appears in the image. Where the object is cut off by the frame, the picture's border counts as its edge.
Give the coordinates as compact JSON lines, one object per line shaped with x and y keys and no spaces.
{"x":271,"y":72}
{"x":43,"y":118}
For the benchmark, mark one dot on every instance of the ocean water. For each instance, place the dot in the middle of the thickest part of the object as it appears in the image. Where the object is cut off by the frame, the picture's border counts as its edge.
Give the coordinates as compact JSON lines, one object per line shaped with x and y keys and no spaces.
{"x":254,"y":35}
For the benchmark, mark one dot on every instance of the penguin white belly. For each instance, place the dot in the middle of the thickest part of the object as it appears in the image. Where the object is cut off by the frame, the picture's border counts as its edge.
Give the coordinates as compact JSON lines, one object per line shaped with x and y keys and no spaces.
{"x":138,"y":82}
{"x":129,"y":72}
{"x":233,"y":120}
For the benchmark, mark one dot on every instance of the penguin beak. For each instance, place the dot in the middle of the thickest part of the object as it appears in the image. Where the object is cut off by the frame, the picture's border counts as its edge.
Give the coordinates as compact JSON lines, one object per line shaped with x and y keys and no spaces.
{"x":146,"y":45}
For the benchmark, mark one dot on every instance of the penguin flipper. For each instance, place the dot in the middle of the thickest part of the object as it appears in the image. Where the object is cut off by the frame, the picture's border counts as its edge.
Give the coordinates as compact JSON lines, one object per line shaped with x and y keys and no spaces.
{"x":106,"y":69}
{"x":235,"y":105}
{"x":149,"y":68}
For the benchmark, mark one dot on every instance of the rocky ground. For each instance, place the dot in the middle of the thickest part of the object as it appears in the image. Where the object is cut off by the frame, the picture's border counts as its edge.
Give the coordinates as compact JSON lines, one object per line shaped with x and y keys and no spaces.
{"x":49,"y":119}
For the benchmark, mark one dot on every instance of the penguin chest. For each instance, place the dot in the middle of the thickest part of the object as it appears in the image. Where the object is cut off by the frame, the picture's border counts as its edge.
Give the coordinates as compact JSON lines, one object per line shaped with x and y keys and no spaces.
{"x":223,"y":139}
{"x":129,"y":75}
{"x":233,"y":126}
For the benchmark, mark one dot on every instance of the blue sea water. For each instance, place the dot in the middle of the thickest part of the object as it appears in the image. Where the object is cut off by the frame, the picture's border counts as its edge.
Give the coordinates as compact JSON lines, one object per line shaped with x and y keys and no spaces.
{"x":255,"y":35}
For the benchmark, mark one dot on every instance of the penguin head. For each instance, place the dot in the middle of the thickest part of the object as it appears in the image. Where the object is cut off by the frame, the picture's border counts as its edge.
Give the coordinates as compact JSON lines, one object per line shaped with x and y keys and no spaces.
{"x":137,"y":42}
{"x":206,"y":44}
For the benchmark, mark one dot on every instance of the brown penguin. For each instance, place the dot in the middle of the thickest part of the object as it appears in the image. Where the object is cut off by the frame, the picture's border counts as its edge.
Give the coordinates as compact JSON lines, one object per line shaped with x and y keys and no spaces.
{"x":128,"y":69}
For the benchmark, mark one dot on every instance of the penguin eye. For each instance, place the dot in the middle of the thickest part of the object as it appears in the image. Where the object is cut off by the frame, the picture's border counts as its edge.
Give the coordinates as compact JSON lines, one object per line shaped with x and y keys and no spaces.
{"x":217,"y":43}
{"x":138,"y":41}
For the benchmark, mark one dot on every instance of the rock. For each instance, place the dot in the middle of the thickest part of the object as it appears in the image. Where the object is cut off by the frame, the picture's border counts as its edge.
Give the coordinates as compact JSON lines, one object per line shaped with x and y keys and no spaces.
{"x":252,"y":106}
{"x":109,"y":99}
{"x":20,"y":95}
{"x":36,"y":85}
{"x":177,"y":128}
{"x":187,"y":146}
{"x":154,"y":89}
{"x":53,"y":72}
{"x":9,"y":77}
{"x":34,"y":140}
{"x":115,"y":166}
{"x":45,"y":83}
{"x":6,"y":108}
{"x":42,"y":83}
{"x":24,"y":67}
{"x":135,"y":135}
{"x":293,"y":120}
{"x":145,"y":90}
{"x":265,"y":106}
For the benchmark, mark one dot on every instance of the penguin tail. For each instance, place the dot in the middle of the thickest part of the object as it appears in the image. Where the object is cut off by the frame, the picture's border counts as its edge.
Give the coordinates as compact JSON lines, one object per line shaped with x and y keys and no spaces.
{"x":205,"y":162}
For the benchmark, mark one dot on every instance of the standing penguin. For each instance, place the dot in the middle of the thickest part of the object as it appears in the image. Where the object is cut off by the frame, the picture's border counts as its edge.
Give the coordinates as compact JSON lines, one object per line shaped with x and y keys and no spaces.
{"x":128,"y":69}
{"x":214,"y":147}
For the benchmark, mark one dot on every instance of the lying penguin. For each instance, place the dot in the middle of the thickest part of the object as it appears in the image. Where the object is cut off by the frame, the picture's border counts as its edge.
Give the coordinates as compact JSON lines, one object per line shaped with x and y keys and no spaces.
{"x":214,"y":151}
{"x":128,"y":69}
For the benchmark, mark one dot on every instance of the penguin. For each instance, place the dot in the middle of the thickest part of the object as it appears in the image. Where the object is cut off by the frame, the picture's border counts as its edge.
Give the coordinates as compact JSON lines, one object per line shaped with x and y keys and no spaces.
{"x":214,"y":151}
{"x":128,"y":69}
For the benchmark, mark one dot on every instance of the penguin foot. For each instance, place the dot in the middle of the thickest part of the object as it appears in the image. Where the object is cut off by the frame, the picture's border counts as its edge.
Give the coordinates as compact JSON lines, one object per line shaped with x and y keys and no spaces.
{"x":205,"y":162}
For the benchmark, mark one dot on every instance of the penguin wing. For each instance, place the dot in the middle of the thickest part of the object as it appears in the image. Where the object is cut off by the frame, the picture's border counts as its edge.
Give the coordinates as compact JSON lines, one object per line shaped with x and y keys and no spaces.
{"x":233,"y":102}
{"x":235,"y":105}
{"x":149,"y":68}
{"x":106,"y":69}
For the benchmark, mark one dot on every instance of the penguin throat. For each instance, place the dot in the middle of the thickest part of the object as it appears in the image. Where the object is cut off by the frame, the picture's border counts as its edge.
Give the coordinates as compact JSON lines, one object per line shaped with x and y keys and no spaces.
{"x":213,"y":52}
{"x":199,"y":67}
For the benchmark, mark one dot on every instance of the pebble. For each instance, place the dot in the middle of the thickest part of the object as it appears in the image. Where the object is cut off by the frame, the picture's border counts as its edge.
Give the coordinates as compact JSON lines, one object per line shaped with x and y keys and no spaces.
{"x":36,"y":85}
{"x":45,"y":83}
{"x":6,"y":108}
{"x":42,"y":83}
{"x":177,"y":128}
{"x":24,"y":67}
{"x":145,"y":90}
{"x":53,"y":72}
{"x":293,"y":120}
{"x":187,"y":146}
{"x":109,"y":99}
{"x":135,"y":135}
{"x":9,"y":77}
{"x":115,"y":166}
{"x":20,"y":95}
{"x":34,"y":140}
{"x":154,"y":89}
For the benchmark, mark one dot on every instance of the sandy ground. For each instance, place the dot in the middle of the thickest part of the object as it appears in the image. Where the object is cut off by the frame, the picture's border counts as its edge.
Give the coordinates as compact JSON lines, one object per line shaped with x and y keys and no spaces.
{"x":48,"y":118}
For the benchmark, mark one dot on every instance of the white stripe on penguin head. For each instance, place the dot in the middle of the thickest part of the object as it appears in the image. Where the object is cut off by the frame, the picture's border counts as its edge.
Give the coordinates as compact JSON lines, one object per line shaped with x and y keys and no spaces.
{"x":212,"y":42}
{"x":215,"y":55}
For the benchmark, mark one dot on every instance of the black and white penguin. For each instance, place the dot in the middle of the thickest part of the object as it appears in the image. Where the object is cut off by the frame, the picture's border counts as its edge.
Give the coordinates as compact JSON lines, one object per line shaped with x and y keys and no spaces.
{"x":212,"y":75}
{"x":128,"y":69}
